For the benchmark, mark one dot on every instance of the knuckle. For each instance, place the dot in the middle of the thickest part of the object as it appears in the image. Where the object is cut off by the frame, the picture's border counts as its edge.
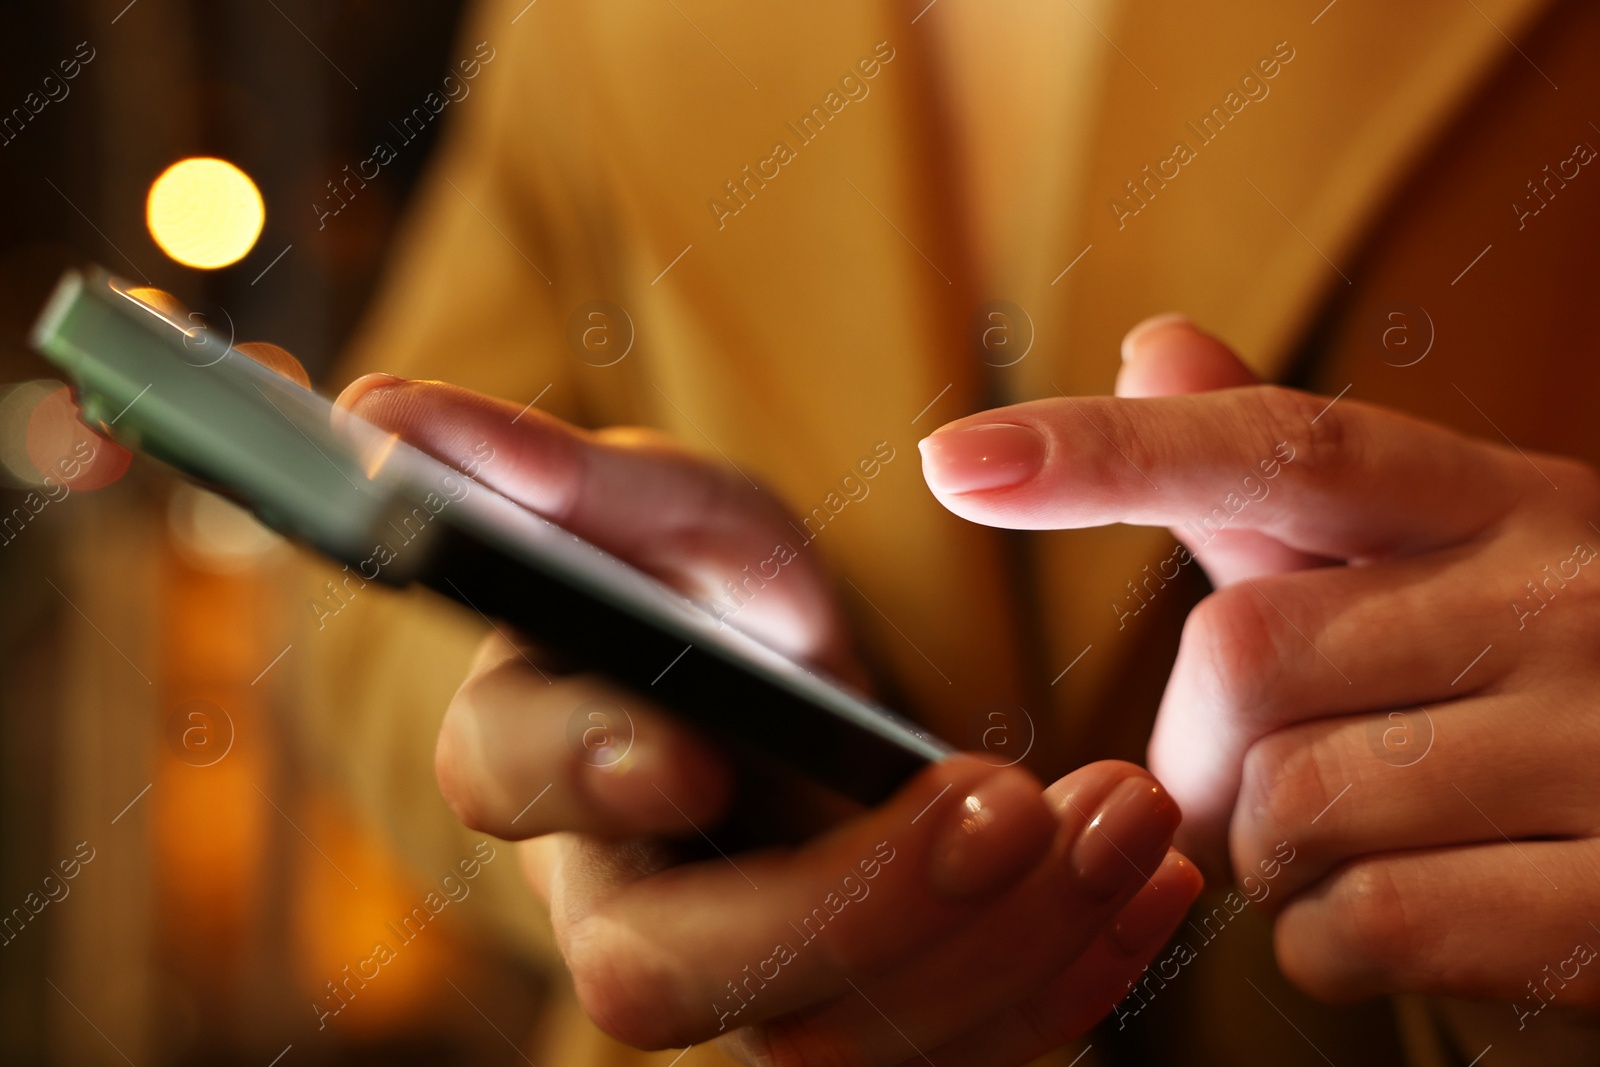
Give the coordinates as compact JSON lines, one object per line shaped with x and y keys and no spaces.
{"x":632,"y":996}
{"x":1320,"y":433}
{"x":1286,"y":782}
{"x":1359,"y":937}
{"x":1579,"y":478}
{"x":709,"y":518}
{"x":1372,"y":925}
{"x":1232,"y":635}
{"x":1327,"y":448}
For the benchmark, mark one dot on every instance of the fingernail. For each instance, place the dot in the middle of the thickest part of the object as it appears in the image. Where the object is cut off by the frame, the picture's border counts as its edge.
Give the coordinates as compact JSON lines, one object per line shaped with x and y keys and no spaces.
{"x":367,"y":383}
{"x":1126,"y":839}
{"x":987,"y":839}
{"x":981,"y":457}
{"x":1133,"y":341}
{"x":1151,"y":916}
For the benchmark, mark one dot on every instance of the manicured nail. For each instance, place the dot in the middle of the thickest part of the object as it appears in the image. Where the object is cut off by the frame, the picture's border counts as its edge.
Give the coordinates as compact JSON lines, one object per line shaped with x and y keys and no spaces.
{"x":1133,"y":342}
{"x":1155,"y":911}
{"x":1126,"y":839}
{"x":988,"y":838}
{"x":981,"y":457}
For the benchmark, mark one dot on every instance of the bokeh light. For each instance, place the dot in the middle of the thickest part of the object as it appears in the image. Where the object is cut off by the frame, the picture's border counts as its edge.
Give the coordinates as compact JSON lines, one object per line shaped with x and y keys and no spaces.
{"x":45,"y":445}
{"x":62,"y":448}
{"x":205,"y":212}
{"x":17,"y":404}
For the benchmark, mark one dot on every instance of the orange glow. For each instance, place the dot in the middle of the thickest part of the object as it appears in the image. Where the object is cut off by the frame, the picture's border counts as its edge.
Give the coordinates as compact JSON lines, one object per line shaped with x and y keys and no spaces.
{"x":380,"y":455}
{"x":337,"y":929}
{"x":66,"y":451}
{"x":205,"y":213}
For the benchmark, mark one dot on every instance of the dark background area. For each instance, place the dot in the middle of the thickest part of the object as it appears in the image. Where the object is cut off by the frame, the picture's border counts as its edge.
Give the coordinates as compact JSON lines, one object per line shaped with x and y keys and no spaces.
{"x":186,"y":941}
{"x":291,"y":91}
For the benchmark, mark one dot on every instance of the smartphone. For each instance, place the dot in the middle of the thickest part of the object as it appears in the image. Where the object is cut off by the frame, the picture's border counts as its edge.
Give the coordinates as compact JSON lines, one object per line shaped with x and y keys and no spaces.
{"x":165,"y":384}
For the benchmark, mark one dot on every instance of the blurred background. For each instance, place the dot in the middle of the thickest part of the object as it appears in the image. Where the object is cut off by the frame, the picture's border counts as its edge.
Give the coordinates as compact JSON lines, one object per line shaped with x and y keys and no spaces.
{"x":175,"y":885}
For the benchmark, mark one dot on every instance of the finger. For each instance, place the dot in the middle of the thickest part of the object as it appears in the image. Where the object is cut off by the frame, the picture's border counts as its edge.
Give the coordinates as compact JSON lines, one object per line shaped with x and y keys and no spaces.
{"x":1012,"y":949}
{"x":601,"y":489}
{"x":276,"y":358}
{"x":1089,"y":988}
{"x":1424,"y":778}
{"x":1484,"y":922}
{"x":997,"y":995}
{"x":523,"y":752}
{"x":1231,"y":556}
{"x":1262,"y":655}
{"x":962,"y":838}
{"x":636,"y":495}
{"x":1168,"y":355}
{"x":1344,"y":479}
{"x":537,"y":857}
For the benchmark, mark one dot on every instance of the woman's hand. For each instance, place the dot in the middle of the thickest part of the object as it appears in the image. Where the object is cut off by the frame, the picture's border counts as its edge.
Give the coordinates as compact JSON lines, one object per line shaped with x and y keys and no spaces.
{"x":1396,"y":674}
{"x":973,"y":918}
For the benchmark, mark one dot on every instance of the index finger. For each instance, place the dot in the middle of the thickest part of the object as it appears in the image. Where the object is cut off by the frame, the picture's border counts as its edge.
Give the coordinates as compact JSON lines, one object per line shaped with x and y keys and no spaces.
{"x":1337,"y":478}
{"x":667,"y":511}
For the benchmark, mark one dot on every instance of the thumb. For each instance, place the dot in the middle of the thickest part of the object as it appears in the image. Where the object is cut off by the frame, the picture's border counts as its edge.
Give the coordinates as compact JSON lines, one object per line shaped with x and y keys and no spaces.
{"x":637,"y":495}
{"x":1168,"y":355}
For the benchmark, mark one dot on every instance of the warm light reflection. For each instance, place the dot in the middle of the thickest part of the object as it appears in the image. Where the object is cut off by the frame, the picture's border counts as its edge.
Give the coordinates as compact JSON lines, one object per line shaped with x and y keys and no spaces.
{"x":67,"y":453}
{"x":17,"y":405}
{"x":205,"y":213}
{"x":158,"y":302}
{"x":373,"y":462}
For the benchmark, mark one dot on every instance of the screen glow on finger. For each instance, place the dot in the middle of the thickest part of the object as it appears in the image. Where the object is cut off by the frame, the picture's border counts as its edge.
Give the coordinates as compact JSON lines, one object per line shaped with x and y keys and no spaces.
{"x":205,"y":212}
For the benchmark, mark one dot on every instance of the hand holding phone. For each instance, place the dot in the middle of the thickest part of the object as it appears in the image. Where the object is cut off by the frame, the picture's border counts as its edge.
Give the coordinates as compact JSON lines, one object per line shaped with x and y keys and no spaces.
{"x":1037,"y":901}
{"x":154,"y":378}
{"x":640,"y":497}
